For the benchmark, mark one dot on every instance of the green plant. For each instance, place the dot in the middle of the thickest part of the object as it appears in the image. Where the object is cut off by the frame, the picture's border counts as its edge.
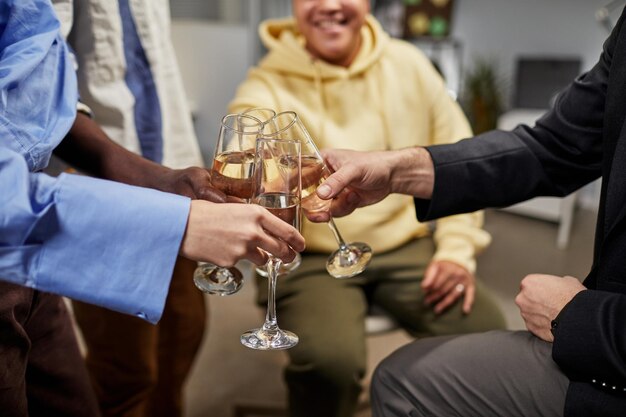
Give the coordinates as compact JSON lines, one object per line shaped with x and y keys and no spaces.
{"x":482,"y":97}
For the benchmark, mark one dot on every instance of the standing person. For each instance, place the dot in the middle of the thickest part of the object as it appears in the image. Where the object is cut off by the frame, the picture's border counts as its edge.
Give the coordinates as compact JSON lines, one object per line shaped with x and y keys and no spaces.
{"x":87,"y":238}
{"x":128,"y":76}
{"x":572,"y":360}
{"x":354,"y":87}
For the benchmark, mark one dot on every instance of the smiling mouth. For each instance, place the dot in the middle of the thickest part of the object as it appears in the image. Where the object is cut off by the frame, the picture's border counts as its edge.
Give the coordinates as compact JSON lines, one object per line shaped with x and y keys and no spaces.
{"x":331,"y":24}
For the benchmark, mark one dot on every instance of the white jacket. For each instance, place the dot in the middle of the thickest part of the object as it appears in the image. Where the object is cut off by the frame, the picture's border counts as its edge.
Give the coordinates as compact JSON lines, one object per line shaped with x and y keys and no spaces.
{"x":93,"y":28}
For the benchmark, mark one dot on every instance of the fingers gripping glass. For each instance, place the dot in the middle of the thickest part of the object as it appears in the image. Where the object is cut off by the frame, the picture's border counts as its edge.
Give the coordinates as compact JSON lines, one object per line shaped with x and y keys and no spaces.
{"x":277,"y":188}
{"x":266,"y":116}
{"x":351,"y":258}
{"x":231,"y":173}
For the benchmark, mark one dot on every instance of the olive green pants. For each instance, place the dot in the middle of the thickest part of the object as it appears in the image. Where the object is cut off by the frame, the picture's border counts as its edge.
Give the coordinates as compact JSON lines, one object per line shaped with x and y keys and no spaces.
{"x":326,"y":367}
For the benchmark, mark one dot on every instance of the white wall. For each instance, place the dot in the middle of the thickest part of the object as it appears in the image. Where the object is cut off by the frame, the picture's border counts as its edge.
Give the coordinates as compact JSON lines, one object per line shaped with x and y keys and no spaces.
{"x":505,"y":29}
{"x":214,"y":59}
{"x":194,"y":9}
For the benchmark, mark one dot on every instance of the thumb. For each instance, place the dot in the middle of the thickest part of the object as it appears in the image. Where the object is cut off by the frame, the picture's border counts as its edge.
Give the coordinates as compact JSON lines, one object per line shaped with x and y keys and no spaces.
{"x":429,"y":275}
{"x":337,"y":182}
{"x":212,"y":194}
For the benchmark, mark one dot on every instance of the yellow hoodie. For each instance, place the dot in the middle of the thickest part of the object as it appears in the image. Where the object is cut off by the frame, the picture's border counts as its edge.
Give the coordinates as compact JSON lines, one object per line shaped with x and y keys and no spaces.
{"x":390,"y":97}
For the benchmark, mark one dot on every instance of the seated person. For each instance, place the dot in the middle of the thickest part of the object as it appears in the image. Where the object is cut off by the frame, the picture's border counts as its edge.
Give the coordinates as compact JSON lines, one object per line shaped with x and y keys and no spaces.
{"x":354,"y":87}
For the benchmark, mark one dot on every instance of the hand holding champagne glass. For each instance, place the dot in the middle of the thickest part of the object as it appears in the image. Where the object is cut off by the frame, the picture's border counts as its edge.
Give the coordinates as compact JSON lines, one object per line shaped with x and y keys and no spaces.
{"x":351,"y":258}
{"x":266,"y":116}
{"x":231,"y":173}
{"x":277,"y":188}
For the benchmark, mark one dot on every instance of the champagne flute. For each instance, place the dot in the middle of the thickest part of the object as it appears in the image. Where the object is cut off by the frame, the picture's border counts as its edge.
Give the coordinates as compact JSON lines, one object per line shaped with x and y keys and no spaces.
{"x":277,"y":188}
{"x":231,"y":173}
{"x":266,"y":116}
{"x":349,"y":259}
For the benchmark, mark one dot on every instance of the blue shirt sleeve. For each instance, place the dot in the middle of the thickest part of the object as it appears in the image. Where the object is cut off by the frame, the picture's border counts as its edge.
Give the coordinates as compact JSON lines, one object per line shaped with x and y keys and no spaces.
{"x":96,"y":241}
{"x":38,"y":91}
{"x":93,"y":240}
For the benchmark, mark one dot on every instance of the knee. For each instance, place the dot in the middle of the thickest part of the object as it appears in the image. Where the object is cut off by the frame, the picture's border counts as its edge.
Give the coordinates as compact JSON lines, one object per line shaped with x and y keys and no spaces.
{"x":387,"y":374}
{"x":414,"y":367}
{"x":335,"y":367}
{"x":397,"y":388}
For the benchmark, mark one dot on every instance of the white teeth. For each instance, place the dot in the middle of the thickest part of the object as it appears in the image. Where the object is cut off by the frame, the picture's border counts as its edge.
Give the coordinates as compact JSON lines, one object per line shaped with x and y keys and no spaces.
{"x":327,"y":23}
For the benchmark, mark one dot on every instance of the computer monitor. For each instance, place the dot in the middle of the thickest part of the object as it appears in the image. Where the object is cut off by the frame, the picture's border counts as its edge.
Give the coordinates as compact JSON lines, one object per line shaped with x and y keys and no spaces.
{"x":539,"y":79}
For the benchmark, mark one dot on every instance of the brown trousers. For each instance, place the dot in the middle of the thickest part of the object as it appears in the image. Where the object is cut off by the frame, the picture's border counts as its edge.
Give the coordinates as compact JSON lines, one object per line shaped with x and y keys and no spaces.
{"x":139,"y":369}
{"x":42,"y":373}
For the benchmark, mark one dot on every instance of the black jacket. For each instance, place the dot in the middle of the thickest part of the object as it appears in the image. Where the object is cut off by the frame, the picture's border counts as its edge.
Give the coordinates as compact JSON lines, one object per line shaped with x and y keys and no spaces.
{"x":581,"y":139}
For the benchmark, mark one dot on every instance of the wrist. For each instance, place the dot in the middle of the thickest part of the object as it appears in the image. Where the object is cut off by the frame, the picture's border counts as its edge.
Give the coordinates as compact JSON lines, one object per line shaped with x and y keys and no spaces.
{"x":156,"y":176}
{"x":412,"y":172}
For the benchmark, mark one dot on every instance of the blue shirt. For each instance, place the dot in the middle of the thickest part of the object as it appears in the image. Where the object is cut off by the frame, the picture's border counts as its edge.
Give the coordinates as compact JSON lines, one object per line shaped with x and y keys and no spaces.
{"x":96,"y":241}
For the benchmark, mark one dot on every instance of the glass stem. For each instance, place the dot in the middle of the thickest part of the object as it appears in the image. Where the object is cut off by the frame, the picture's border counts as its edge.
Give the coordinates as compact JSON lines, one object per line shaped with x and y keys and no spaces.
{"x":271,"y":323}
{"x":338,"y":238}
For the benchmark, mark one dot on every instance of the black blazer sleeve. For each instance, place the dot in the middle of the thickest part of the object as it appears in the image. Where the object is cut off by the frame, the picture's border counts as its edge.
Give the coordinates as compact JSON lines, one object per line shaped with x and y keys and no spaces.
{"x":571,"y":145}
{"x":590,"y":339}
{"x":561,"y":153}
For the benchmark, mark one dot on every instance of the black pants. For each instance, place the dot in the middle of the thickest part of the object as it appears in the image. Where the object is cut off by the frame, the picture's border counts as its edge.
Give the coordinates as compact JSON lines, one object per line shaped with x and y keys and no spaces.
{"x":41,"y":370}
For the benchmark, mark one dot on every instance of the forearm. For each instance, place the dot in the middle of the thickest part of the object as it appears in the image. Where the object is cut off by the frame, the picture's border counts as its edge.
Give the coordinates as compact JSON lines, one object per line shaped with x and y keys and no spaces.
{"x":89,"y":149}
{"x":412,"y":172}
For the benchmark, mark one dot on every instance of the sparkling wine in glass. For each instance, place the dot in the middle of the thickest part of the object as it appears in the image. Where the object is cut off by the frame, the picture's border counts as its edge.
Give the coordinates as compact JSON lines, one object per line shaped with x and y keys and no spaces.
{"x":278,"y":189}
{"x":266,"y":116}
{"x":231,"y":173}
{"x":349,"y":259}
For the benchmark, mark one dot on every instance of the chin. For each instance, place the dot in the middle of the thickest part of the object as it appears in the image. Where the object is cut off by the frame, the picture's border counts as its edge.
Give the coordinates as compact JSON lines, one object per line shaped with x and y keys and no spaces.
{"x":333,"y":52}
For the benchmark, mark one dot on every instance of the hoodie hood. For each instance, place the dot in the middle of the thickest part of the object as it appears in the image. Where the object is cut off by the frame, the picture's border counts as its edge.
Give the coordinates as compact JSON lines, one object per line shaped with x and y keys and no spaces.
{"x":390,"y":97}
{"x":287,"y":52}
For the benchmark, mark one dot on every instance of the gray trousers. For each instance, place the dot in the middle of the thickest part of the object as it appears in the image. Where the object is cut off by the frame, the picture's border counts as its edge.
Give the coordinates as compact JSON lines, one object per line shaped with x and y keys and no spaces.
{"x":497,"y":373}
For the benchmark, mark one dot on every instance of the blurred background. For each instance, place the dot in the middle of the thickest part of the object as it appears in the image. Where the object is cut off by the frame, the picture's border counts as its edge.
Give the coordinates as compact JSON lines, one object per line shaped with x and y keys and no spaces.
{"x":503,"y":60}
{"x":487,"y":50}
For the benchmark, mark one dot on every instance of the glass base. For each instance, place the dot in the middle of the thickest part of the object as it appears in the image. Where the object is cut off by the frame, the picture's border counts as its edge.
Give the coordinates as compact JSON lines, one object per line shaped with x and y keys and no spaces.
{"x":284,"y":268}
{"x":350,"y":261}
{"x":261,"y":339}
{"x":213,"y":279}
